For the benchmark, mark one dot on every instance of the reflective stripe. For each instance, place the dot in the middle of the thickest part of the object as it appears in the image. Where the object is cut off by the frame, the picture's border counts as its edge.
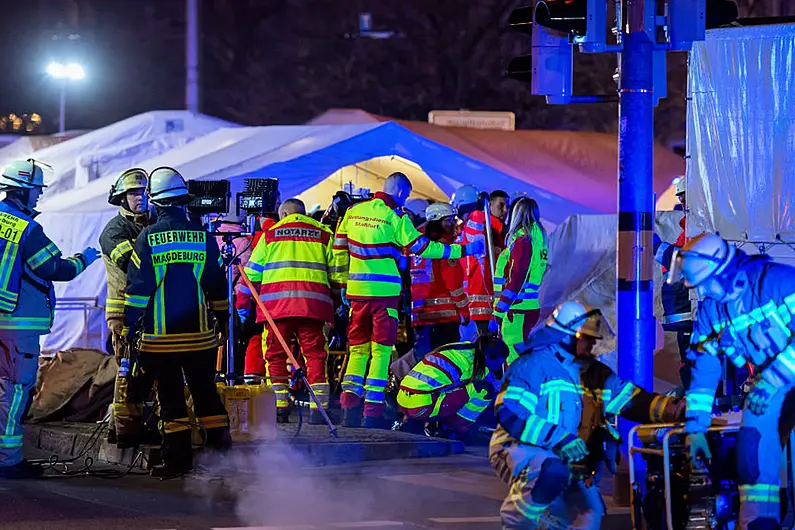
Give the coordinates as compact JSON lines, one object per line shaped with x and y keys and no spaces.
{"x":439,"y":301}
{"x":480,"y":298}
{"x":457,"y":292}
{"x":431,"y":315}
{"x":480,"y":311}
{"x":133,"y":300}
{"x":42,"y":256}
{"x":525,"y":399}
{"x":121,"y":249}
{"x":419,"y":245}
{"x":254,"y":267}
{"x":135,"y":260}
{"x":342,"y":268}
{"x":478,"y":227}
{"x":341,"y":242}
{"x":370,"y":277}
{"x":699,"y":402}
{"x":178,"y":425}
{"x":425,"y":378}
{"x":30,"y":323}
{"x":617,"y":404}
{"x":267,"y":297}
{"x":385,"y":251}
{"x":13,"y":410}
{"x":673,"y":319}
{"x":10,"y":442}
{"x":450,"y":369}
{"x":244,"y":290}
{"x":294,"y":265}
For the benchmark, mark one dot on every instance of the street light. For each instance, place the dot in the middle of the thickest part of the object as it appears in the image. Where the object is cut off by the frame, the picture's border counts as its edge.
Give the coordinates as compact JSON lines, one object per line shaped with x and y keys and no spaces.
{"x":64,"y":73}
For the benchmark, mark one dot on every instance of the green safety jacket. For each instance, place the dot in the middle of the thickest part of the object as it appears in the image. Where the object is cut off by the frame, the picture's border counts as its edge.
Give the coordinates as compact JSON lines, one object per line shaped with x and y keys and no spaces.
{"x":369,"y":241}
{"x":519,"y":271}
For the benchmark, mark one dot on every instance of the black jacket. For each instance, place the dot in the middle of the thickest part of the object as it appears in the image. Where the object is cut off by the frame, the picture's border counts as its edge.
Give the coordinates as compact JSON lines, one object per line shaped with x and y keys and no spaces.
{"x":117,"y":241}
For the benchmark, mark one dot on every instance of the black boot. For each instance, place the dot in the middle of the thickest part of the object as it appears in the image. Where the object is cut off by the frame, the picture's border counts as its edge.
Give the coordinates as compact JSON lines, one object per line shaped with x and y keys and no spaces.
{"x":352,"y":417}
{"x":112,"y":438}
{"x":171,"y":469}
{"x":219,"y":439}
{"x":316,"y":418}
{"x":22,"y":470}
{"x":282,"y":415}
{"x":376,"y":422}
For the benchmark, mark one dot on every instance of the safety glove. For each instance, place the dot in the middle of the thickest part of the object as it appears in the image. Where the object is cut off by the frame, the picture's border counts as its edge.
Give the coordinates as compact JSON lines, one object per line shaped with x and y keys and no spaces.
{"x":571,"y":449}
{"x":343,"y":293}
{"x":698,"y":446}
{"x":243,"y":314}
{"x":759,"y":397}
{"x":494,"y":328}
{"x":89,"y":255}
{"x":475,"y":248}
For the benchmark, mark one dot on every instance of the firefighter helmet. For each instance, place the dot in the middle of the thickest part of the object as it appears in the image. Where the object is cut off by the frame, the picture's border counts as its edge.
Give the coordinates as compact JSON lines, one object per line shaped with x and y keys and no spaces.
{"x":578,"y":319}
{"x":166,"y":183}
{"x":467,"y":194}
{"x":131,"y":179}
{"x":439,"y":210}
{"x":23,"y":175}
{"x":416,"y":206}
{"x":681,"y":185}
{"x":702,"y":257}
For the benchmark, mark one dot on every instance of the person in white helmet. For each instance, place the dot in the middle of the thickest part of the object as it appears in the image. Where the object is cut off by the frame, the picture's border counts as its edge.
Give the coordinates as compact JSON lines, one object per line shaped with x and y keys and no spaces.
{"x":438,"y":301}
{"x":553,"y":430}
{"x":175,"y":308}
{"x":415,"y":208}
{"x":677,"y":307}
{"x":30,"y":263}
{"x":747,"y":313}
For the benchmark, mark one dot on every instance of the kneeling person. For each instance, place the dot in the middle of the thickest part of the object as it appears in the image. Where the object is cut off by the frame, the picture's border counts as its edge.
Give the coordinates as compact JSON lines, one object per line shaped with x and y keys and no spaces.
{"x":552,"y":412}
{"x":454,"y":384}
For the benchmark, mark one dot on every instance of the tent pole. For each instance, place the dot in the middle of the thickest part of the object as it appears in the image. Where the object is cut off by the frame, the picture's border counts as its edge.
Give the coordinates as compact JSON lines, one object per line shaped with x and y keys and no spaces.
{"x":192,"y":56}
{"x":635,"y":280}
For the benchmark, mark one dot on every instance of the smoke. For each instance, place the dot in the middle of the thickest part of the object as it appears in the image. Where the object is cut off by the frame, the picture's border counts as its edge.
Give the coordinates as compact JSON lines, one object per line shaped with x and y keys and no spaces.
{"x":281,"y":484}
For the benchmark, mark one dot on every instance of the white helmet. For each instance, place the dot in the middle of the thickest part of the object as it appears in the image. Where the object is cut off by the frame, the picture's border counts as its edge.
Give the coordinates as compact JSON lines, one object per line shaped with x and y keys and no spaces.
{"x":578,"y":319}
{"x":467,"y":194}
{"x":439,"y":210}
{"x":416,"y":206}
{"x":166,"y":183}
{"x":701,"y":258}
{"x":681,"y":185}
{"x":22,"y":175}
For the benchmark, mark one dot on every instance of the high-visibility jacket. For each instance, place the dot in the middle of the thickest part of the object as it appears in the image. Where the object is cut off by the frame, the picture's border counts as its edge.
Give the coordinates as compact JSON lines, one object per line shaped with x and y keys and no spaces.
{"x":117,"y":241}
{"x":756,"y":327}
{"x":290,"y":268}
{"x":520,"y":269}
{"x":368,"y":245}
{"x":478,"y":282}
{"x":175,"y":276}
{"x":440,"y":371}
{"x":677,"y":308}
{"x":547,"y":396}
{"x":437,"y":290}
{"x":30,"y":263}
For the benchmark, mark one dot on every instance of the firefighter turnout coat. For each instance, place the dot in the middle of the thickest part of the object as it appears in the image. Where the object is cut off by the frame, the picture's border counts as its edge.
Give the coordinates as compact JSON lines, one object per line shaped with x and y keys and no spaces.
{"x":175,"y":277}
{"x":117,"y":241}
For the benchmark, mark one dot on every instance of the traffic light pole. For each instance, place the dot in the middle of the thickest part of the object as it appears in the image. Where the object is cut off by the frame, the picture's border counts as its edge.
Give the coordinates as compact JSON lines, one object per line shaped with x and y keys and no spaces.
{"x":635,"y":280}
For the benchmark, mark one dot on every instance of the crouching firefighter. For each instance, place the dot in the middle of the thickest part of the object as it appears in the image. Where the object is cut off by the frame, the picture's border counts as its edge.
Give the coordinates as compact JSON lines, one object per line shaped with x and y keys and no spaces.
{"x":116,"y":241}
{"x":174,"y":285}
{"x":553,"y":432}
{"x":746,"y":314}
{"x":30,"y":263}
{"x":454,"y":384}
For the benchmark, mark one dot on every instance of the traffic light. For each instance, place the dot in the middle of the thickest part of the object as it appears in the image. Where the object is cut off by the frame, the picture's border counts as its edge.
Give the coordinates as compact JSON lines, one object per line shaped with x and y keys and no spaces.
{"x":688,"y":20}
{"x":583,"y":20}
{"x":549,"y":67}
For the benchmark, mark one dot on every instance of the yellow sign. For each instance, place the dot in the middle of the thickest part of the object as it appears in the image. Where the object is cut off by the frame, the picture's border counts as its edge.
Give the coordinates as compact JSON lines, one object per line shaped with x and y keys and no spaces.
{"x":11,"y":227}
{"x":473,"y":119}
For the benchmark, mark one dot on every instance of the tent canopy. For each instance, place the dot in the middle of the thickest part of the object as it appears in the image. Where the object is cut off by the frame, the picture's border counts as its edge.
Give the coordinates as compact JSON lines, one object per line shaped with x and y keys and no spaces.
{"x":577,"y":166}
{"x":303,"y":157}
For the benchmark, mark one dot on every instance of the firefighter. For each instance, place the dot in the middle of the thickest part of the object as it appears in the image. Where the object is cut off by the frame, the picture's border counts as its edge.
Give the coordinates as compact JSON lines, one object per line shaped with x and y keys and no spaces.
{"x":31,"y":262}
{"x":291,"y":269}
{"x":454,"y":383}
{"x":367,"y":247}
{"x":553,"y":431}
{"x":174,"y":278}
{"x":677,"y":307}
{"x":478,"y":282}
{"x":117,"y":241}
{"x":746,"y":314}
{"x":519,"y":271}
{"x":438,"y":301}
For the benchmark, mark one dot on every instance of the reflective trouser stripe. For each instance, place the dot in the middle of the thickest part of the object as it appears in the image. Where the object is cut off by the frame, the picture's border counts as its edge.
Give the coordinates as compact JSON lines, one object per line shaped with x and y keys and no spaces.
{"x":214,"y":422}
{"x":474,"y":407}
{"x":321,"y":391}
{"x":359,"y":356}
{"x":378,"y":373}
{"x":178,"y":425}
{"x":758,"y":501}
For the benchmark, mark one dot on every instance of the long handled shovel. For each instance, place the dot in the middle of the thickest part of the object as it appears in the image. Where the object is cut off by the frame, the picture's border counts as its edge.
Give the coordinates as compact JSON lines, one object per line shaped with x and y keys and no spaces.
{"x":297,"y":367}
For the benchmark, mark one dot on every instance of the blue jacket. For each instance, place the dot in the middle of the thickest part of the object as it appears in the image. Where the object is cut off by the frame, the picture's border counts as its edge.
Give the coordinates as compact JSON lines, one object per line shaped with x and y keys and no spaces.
{"x":30,"y":263}
{"x":756,"y":326}
{"x":547,"y":395}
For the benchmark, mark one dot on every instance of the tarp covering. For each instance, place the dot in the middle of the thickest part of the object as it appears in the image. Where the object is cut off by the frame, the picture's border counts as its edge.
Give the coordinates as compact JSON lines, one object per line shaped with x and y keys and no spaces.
{"x":741,"y":125}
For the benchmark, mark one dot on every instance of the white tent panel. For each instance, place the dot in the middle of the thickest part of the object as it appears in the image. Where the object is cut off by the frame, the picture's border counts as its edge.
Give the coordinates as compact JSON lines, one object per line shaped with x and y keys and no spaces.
{"x":741,"y":125}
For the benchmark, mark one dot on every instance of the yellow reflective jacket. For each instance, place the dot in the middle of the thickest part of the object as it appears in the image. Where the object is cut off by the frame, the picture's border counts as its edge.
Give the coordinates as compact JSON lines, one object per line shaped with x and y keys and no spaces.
{"x":519,"y":271}
{"x":369,"y":241}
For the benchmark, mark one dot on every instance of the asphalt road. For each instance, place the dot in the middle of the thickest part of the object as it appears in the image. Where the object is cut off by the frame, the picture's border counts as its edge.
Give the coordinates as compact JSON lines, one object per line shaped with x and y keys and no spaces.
{"x":452,"y":493}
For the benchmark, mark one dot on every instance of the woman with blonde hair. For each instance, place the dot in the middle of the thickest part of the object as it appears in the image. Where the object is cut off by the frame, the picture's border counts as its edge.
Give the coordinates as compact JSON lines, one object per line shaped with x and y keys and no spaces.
{"x":519,"y":271}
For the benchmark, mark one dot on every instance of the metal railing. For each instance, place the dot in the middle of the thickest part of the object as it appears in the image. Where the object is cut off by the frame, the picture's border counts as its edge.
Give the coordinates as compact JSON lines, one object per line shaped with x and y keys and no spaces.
{"x":86,"y":305}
